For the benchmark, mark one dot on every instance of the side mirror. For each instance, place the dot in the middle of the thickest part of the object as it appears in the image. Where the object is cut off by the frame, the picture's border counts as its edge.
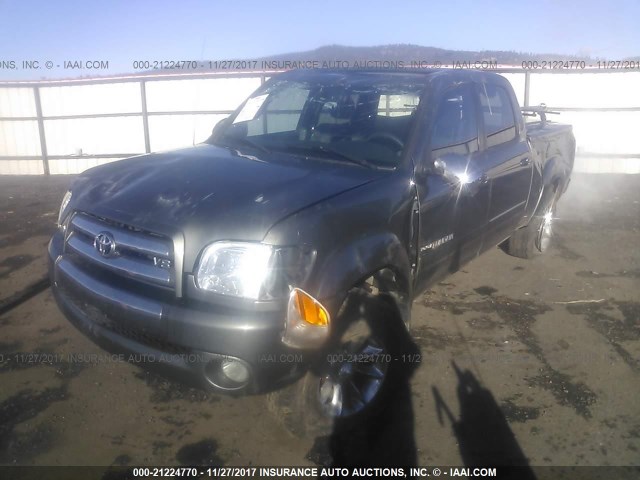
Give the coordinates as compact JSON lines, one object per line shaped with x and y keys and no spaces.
{"x":455,"y":169}
{"x":451,"y":167}
{"x":440,"y":167}
{"x":221,"y":125}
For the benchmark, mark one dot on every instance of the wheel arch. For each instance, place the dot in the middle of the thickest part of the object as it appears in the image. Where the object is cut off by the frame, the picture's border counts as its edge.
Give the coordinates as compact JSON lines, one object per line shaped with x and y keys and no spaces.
{"x":376,"y":263}
{"x":552,"y":178}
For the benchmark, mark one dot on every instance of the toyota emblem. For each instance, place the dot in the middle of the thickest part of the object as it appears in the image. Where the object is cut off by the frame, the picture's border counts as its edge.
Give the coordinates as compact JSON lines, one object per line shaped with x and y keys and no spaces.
{"x":105,"y":244}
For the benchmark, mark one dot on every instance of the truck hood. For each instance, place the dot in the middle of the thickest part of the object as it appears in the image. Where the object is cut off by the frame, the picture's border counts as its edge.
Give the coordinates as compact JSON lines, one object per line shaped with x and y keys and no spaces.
{"x":208,"y":193}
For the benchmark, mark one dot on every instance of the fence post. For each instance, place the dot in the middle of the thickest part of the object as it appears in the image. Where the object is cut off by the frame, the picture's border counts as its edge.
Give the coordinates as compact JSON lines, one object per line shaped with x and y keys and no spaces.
{"x":43,"y":140}
{"x":145,"y":116}
{"x":527,"y":87}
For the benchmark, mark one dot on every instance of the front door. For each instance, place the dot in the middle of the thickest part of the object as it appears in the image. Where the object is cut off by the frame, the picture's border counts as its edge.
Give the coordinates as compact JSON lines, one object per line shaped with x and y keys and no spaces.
{"x":453,"y":210}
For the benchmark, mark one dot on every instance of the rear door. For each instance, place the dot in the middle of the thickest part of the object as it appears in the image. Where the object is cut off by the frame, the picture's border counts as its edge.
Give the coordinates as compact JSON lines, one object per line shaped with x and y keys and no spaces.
{"x":507,"y":160}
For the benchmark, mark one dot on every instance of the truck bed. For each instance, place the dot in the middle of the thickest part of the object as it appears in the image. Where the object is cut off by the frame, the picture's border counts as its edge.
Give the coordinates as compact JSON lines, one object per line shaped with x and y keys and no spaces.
{"x":546,"y":129}
{"x":551,"y":141}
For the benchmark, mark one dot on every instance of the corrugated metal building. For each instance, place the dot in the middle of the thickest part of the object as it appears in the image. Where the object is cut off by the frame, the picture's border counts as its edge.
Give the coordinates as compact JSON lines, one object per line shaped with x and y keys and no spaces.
{"x":68,"y":126}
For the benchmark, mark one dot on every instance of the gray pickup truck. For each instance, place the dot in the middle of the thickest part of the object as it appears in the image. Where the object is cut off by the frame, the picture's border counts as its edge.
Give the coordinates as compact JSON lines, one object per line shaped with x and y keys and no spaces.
{"x":269,"y":251}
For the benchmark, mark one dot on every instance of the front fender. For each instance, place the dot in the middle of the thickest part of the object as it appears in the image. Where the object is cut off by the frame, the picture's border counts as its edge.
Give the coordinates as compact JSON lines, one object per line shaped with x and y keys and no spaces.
{"x":355,"y":234}
{"x":351,"y":265}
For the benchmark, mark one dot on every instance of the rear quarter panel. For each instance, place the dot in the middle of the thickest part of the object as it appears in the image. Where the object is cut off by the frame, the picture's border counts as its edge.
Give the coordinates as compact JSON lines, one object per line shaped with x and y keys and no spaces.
{"x":553,"y":145}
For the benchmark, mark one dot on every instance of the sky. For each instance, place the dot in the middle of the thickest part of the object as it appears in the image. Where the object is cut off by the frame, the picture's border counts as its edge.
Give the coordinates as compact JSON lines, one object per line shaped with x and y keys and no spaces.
{"x":122,"y":32}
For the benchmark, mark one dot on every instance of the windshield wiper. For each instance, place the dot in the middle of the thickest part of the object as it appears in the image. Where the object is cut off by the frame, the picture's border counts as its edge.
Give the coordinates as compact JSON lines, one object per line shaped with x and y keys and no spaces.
{"x":328,"y":152}
{"x":229,"y":141}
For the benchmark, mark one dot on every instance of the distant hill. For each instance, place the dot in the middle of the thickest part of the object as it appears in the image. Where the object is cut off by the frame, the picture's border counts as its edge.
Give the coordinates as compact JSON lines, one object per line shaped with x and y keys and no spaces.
{"x":408,"y":53}
{"x":384,"y":56}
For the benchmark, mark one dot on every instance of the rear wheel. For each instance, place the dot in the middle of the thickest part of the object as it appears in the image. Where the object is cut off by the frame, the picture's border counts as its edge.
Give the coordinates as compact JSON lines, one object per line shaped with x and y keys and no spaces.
{"x":535,"y":238}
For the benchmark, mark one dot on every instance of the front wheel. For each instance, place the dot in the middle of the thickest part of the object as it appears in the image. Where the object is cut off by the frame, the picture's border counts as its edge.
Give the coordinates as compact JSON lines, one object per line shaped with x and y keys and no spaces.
{"x":354,"y":372}
{"x":350,"y":379}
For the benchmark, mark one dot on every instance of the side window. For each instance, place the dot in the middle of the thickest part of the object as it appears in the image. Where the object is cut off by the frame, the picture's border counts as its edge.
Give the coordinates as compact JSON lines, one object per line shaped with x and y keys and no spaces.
{"x":455,"y":129}
{"x":281,"y":114}
{"x":497,"y":111}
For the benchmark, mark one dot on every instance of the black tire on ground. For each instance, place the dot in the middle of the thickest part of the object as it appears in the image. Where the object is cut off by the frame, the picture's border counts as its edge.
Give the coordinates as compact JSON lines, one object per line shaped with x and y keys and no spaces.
{"x":371,"y":331}
{"x":533,"y":240}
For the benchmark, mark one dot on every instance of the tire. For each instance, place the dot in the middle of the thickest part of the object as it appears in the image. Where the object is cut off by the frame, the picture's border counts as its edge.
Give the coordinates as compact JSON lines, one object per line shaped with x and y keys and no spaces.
{"x":534,"y":239}
{"x":350,"y":380}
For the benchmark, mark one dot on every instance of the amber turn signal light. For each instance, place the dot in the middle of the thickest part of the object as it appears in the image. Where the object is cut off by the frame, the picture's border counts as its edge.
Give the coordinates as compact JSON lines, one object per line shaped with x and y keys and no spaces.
{"x":309,"y":309}
{"x":307,"y":324}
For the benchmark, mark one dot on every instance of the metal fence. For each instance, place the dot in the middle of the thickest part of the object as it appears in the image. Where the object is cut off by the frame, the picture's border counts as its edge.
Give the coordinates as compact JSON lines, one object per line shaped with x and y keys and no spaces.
{"x":69,"y":125}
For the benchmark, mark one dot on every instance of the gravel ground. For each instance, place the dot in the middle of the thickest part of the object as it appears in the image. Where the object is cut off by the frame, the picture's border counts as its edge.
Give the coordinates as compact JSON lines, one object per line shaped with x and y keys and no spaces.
{"x":521,"y":362}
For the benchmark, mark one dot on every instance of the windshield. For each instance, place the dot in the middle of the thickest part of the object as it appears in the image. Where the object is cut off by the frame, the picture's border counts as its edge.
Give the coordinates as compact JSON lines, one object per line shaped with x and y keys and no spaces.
{"x":364,"y":121}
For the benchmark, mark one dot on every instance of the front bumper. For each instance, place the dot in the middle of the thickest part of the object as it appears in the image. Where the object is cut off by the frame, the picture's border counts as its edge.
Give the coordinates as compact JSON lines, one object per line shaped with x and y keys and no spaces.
{"x":178,"y":337}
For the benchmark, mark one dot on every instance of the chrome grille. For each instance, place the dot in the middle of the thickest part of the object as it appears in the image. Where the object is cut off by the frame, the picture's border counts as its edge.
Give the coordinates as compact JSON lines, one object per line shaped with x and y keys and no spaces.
{"x":138,"y":255}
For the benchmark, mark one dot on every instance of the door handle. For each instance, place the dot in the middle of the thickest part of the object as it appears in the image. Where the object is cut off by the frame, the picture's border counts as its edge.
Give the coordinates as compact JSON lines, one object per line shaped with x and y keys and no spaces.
{"x":525,"y":161}
{"x":472,"y":187}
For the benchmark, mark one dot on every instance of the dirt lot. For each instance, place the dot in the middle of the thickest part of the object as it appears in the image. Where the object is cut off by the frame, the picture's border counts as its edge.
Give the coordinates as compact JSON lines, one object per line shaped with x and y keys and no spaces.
{"x":521,"y":362}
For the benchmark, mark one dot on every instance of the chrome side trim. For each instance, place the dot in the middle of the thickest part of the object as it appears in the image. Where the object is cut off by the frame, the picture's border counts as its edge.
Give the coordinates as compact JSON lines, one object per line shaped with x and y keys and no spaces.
{"x":508,"y":210}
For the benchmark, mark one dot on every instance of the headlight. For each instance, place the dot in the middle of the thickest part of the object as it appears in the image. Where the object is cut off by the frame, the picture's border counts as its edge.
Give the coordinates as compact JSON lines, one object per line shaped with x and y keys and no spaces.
{"x":63,"y":207}
{"x":252,"y":270}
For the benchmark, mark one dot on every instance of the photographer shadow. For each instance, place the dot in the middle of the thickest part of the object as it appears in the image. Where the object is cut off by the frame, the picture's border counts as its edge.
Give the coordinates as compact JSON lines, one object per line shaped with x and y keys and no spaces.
{"x":483,"y":433}
{"x":384,"y":437}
